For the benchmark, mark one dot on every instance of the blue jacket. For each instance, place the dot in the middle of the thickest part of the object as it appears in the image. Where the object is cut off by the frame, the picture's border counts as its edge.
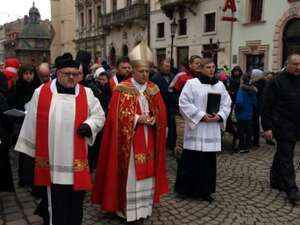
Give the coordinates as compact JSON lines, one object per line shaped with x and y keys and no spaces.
{"x":245,"y":104}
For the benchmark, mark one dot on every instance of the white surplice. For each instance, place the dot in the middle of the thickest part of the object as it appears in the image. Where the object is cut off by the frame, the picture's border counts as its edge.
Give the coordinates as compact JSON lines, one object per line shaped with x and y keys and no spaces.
{"x":61,"y":130}
{"x":202,"y":136}
{"x":139,"y":193}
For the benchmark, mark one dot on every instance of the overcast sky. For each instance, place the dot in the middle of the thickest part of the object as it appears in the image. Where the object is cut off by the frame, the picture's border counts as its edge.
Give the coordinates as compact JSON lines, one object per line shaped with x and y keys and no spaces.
{"x":11,"y":10}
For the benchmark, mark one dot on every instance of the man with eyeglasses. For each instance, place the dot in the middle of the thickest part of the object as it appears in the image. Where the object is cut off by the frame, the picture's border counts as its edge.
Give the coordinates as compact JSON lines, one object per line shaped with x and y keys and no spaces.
{"x":63,"y":117}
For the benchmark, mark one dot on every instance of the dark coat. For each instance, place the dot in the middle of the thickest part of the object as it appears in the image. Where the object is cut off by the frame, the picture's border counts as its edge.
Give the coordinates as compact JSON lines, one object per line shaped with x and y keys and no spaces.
{"x":169,"y":97}
{"x":281,"y":107}
{"x":22,"y":93}
{"x":234,"y":83}
{"x":245,"y":103}
{"x":6,"y":183}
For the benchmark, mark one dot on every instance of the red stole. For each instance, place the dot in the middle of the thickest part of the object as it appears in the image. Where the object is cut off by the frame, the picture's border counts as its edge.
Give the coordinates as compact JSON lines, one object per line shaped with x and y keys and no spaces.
{"x":82,"y":180}
{"x":112,"y":83}
{"x":143,"y":153}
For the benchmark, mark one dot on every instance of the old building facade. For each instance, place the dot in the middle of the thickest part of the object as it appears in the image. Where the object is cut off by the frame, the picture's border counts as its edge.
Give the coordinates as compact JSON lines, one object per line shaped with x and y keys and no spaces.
{"x":8,"y":38}
{"x":88,"y":32}
{"x":110,"y":28}
{"x":263,"y":38}
{"x":200,"y":30}
{"x":28,"y":39}
{"x":64,"y":24}
{"x":33,"y":42}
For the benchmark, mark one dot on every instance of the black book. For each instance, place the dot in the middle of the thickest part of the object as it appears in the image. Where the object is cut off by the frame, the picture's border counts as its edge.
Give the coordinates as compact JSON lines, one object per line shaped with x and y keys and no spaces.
{"x":213,"y":103}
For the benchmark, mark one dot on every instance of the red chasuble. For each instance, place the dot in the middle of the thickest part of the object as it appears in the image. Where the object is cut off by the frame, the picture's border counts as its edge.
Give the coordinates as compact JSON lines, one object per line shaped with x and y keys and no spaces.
{"x":119,"y":136}
{"x":82,"y":180}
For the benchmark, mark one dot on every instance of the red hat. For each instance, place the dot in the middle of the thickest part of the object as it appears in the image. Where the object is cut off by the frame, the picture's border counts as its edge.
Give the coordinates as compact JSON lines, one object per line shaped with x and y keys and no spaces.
{"x":11,"y":66}
{"x":12,"y":62}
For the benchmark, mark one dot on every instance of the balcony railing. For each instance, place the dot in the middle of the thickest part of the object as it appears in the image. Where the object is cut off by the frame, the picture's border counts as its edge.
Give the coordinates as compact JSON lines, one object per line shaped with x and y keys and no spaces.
{"x":129,"y":14}
{"x":167,"y":3}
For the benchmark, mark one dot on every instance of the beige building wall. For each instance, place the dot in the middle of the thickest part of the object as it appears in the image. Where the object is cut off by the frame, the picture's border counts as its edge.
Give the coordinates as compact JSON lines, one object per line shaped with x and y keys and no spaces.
{"x":63,"y":22}
{"x":196,"y":36}
{"x":264,"y":37}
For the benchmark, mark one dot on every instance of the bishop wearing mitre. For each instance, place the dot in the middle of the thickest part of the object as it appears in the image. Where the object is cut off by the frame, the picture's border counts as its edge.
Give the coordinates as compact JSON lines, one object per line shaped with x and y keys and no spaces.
{"x":131,"y":173}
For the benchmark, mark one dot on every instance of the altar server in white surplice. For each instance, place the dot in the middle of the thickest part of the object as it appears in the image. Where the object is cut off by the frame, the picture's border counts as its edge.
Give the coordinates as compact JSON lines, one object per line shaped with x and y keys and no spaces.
{"x":62,"y":118}
{"x":196,"y":173}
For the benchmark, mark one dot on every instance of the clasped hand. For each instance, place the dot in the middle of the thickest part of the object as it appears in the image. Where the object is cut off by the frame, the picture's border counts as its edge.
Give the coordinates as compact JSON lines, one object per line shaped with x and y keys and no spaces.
{"x":147,"y":120}
{"x":208,"y":118}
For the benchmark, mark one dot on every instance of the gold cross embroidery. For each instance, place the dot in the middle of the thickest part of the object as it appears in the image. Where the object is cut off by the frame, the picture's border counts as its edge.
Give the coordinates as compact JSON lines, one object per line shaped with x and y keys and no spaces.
{"x":140,"y":158}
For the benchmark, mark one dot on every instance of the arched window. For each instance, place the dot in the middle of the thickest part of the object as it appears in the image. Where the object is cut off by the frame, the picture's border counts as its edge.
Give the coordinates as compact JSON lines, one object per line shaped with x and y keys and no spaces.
{"x":291,"y":38}
{"x":112,"y":56}
{"x":125,"y":50}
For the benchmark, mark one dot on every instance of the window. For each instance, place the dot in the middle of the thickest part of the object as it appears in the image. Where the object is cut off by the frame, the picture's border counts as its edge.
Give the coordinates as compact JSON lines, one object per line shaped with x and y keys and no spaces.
{"x":160,"y":30}
{"x":114,"y":5}
{"x":256,"y":10}
{"x":211,"y":51}
{"x":160,"y":55}
{"x":182,"y":27}
{"x":98,"y":15}
{"x":90,"y":17}
{"x":129,"y":2}
{"x":81,"y":20}
{"x":255,"y":62}
{"x":210,"y":22}
{"x":182,"y":56}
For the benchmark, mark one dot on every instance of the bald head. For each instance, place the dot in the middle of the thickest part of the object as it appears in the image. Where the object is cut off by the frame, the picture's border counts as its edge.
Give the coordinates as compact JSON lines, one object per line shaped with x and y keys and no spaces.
{"x":293,"y":64}
{"x":44,"y":72}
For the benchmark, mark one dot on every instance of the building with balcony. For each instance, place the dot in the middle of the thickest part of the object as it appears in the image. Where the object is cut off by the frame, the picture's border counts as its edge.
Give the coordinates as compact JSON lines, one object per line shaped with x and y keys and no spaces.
{"x":88,"y":32}
{"x":63,"y":20}
{"x":110,"y":28}
{"x":200,"y":30}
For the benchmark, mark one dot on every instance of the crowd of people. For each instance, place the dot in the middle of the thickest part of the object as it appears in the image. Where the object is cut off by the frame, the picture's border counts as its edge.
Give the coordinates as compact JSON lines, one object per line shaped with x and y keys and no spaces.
{"x":116,"y":122}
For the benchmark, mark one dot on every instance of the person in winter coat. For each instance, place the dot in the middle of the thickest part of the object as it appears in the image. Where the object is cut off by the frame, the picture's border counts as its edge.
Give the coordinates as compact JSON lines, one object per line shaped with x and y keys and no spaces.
{"x":281,"y":120}
{"x":162,"y":79}
{"x":19,"y":95}
{"x":257,"y":79}
{"x":6,"y":184}
{"x":244,"y":106}
{"x":84,"y":57}
{"x":192,"y":69}
{"x":234,"y":82}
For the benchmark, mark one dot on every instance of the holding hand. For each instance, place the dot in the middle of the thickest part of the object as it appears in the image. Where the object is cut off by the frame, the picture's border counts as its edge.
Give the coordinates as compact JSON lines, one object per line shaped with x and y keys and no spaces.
{"x":84,"y":130}
{"x":147,"y":120}
{"x":208,"y":118}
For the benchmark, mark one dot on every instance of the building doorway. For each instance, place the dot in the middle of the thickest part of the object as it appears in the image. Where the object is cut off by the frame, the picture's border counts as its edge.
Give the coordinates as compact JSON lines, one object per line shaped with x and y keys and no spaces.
{"x":255,"y":62}
{"x":291,"y":39}
{"x":182,"y":57}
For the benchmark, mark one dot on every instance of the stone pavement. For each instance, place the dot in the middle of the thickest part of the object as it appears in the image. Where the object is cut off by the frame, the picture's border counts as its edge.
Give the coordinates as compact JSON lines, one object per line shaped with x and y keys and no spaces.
{"x":243,"y":197}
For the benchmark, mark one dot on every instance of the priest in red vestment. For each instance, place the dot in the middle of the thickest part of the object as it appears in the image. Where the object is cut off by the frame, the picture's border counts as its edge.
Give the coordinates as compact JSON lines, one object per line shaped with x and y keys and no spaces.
{"x":131,"y":173}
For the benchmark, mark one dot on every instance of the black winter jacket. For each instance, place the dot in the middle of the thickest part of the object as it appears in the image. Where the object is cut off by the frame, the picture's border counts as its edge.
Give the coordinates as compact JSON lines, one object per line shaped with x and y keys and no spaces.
{"x":281,"y":107}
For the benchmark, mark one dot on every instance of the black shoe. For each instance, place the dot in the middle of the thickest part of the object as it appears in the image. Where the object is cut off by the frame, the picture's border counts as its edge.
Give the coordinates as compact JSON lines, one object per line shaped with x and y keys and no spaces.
{"x":270,"y":142}
{"x":294,"y":197}
{"x":277,"y":186}
{"x":207,"y":198}
{"x":244,"y":151}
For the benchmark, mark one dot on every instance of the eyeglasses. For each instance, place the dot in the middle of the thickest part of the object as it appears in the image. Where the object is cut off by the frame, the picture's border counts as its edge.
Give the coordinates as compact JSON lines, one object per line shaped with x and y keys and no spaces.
{"x":68,"y":74}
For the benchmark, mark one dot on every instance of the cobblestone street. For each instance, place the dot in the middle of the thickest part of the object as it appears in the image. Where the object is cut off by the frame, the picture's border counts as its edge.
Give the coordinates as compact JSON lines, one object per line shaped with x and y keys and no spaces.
{"x":243,"y":196}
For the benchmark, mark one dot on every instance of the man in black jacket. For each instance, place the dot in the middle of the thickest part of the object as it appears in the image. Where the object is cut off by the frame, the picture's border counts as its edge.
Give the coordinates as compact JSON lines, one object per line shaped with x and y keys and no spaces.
{"x":162,"y":79}
{"x":281,"y":119}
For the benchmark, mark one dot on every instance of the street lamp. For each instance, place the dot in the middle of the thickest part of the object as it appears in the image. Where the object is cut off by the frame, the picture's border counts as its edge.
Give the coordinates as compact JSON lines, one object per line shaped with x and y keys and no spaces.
{"x":173,"y":31}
